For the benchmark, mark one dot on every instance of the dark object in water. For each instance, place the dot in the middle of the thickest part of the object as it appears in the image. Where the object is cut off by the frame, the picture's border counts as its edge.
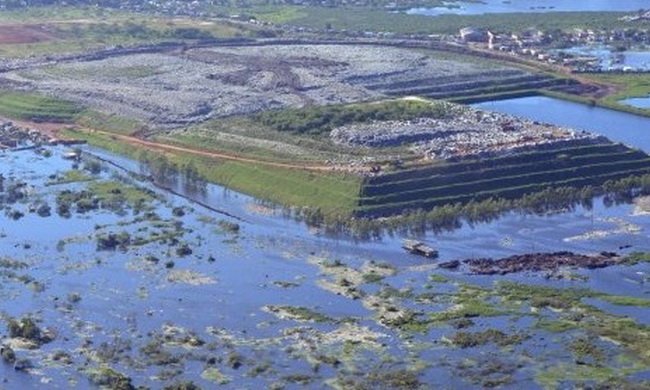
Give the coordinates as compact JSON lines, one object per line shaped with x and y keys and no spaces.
{"x":419,"y":248}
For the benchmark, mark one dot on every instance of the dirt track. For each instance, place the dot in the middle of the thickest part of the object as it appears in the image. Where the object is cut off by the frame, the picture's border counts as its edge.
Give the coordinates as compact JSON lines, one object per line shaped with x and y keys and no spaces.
{"x":223,"y":156}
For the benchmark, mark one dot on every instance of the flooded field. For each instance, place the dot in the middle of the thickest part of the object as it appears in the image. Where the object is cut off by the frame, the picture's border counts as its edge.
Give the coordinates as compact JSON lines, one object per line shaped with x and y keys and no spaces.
{"x":110,"y":281}
{"x":608,"y":59}
{"x":500,"y":6}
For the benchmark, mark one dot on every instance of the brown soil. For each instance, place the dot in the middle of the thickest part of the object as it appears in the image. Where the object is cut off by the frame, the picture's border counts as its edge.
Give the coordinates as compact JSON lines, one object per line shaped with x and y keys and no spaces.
{"x":14,"y":34}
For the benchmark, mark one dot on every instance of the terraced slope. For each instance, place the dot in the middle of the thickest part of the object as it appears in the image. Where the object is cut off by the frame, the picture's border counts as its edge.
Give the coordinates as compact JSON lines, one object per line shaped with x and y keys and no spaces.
{"x":576,"y":164}
{"x":462,"y":86}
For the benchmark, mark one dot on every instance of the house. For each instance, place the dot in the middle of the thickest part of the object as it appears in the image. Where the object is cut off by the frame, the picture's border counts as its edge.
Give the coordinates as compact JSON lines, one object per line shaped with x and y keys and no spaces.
{"x":472,"y":34}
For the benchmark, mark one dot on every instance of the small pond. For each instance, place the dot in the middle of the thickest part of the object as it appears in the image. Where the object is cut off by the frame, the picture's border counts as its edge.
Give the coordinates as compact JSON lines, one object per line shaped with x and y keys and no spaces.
{"x":633,"y":130}
{"x":640,"y":102}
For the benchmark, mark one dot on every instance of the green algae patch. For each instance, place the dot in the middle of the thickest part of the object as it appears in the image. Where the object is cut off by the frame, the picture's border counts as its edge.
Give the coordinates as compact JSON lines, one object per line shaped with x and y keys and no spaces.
{"x":468,"y":302}
{"x":372,"y":277}
{"x":468,"y":308}
{"x":495,"y":336}
{"x":71,"y":176}
{"x":437,"y":278}
{"x":215,"y":375}
{"x":401,"y":379}
{"x":637,"y":257}
{"x":114,"y":191}
{"x":623,"y":331}
{"x":615,"y":334}
{"x":297,"y":313}
{"x":553,"y":376}
{"x":626,"y":301}
{"x":586,"y":349}
{"x":541,"y":296}
{"x":108,"y":378}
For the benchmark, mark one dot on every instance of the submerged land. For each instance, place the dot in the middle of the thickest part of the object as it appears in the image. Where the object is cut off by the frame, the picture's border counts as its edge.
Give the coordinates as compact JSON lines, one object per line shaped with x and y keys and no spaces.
{"x":201,"y":195}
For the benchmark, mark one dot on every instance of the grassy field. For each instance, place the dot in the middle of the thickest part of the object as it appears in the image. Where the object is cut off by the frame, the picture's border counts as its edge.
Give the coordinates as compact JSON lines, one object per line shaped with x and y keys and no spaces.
{"x":72,"y":29}
{"x":630,"y":85}
{"x":245,"y":137}
{"x":332,"y":193}
{"x":62,"y":14}
{"x":99,"y":121}
{"x":301,"y":135}
{"x":37,"y":108}
{"x":321,"y":120}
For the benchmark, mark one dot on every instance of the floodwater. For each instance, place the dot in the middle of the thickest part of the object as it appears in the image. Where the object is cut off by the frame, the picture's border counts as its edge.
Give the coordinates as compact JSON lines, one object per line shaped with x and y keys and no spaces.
{"x":641,"y":102}
{"x":501,"y":6}
{"x":221,"y":316}
{"x":633,"y":130}
{"x":631,"y":60}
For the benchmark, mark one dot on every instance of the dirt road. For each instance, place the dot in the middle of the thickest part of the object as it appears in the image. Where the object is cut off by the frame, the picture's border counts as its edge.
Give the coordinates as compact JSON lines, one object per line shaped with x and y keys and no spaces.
{"x":131,"y":140}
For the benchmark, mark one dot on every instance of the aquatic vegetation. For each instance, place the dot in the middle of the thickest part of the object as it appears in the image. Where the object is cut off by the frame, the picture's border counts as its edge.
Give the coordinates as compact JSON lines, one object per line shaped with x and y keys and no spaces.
{"x":469,"y":302}
{"x":624,"y":332}
{"x":489,"y":371}
{"x":626,"y":301}
{"x":214,"y":375}
{"x":44,"y":210}
{"x":637,"y":257}
{"x":469,"y":340}
{"x":189,"y":385}
{"x":585,"y":349}
{"x":8,"y":354}
{"x":61,"y":357}
{"x":113,"y":195}
{"x":228,"y":227}
{"x":26,"y":328}
{"x":183,"y":250}
{"x":437,"y":278}
{"x":542,"y":296}
{"x":372,"y":277}
{"x":113,"y":241}
{"x":400,"y":379}
{"x":330,"y":314}
{"x":297,"y":313}
{"x":106,"y":376}
{"x":70,"y":176}
{"x":9,"y":263}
